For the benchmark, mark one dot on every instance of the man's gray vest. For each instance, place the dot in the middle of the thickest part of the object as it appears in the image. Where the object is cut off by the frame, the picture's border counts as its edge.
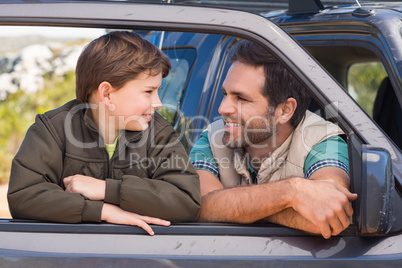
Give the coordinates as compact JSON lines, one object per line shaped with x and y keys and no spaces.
{"x":285,"y":162}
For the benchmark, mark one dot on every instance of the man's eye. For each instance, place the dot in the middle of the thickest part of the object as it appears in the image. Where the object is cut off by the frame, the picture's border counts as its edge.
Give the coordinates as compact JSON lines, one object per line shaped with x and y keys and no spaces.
{"x":224,"y":93}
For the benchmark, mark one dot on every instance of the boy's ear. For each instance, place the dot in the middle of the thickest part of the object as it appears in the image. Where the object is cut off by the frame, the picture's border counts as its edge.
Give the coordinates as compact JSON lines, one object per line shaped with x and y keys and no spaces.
{"x":285,"y":110}
{"x":104,"y":90}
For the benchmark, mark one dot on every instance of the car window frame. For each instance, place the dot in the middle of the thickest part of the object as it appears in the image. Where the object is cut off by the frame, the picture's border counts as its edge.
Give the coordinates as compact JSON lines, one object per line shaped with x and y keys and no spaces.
{"x":252,"y":27}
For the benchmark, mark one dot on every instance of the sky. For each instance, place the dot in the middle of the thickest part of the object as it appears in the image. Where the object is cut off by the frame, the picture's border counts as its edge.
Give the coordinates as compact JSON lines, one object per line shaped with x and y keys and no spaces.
{"x":50,"y":31}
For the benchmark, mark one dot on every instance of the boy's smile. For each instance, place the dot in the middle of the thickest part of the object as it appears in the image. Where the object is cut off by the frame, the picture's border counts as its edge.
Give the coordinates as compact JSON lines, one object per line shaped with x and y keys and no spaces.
{"x":148,"y":117}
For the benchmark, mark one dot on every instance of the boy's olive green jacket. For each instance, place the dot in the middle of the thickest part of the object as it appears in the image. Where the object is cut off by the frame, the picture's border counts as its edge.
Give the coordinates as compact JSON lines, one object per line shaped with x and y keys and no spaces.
{"x":149,"y":173}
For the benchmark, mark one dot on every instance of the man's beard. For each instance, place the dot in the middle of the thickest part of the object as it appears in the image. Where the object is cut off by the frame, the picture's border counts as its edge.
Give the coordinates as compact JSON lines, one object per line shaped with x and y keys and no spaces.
{"x":255,"y":131}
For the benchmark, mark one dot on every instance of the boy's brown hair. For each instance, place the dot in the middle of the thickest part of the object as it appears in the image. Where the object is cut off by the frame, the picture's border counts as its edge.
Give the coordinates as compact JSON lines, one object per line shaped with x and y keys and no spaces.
{"x":117,"y":57}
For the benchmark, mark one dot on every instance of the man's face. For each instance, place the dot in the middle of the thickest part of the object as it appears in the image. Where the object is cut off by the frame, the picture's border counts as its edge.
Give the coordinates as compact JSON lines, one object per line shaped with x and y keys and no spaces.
{"x":248,"y":119}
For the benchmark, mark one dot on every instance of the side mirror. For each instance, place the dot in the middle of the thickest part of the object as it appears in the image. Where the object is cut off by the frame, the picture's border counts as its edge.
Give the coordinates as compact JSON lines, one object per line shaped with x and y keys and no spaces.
{"x":375,"y":208}
{"x":378,"y":191}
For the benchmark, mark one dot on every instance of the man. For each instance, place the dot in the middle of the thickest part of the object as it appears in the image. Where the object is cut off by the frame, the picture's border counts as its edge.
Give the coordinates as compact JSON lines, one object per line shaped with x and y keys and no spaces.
{"x":269,"y":159}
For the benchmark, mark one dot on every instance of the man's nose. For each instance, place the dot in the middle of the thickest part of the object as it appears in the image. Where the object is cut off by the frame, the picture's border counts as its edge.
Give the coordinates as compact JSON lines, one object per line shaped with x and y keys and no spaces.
{"x":228,"y":106}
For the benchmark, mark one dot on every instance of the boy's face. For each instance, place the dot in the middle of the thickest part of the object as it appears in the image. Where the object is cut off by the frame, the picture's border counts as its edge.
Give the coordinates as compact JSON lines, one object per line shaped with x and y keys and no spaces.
{"x":133,"y":105}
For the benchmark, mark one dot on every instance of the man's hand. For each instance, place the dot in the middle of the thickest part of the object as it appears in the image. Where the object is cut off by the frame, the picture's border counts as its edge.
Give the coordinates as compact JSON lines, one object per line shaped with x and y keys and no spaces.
{"x":325,"y":203}
{"x":116,"y":215}
{"x":89,"y":187}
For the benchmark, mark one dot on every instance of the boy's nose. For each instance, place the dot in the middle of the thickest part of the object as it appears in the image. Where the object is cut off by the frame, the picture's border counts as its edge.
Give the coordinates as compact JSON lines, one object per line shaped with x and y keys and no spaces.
{"x":156,"y":102}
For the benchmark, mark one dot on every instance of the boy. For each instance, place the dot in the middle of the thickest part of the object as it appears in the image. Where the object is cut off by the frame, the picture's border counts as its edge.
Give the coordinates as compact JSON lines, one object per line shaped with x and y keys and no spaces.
{"x":107,"y":156}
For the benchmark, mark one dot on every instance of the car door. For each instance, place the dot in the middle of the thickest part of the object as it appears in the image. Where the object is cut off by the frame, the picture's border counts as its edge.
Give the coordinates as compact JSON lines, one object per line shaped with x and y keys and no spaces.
{"x":185,"y":244}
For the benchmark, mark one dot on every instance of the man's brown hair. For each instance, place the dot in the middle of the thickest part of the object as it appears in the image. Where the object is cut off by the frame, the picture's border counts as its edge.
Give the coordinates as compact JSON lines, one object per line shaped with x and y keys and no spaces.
{"x":117,"y":57}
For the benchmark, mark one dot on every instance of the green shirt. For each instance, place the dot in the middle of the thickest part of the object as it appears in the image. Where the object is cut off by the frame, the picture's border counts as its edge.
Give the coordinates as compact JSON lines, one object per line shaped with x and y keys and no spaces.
{"x":110,"y":148}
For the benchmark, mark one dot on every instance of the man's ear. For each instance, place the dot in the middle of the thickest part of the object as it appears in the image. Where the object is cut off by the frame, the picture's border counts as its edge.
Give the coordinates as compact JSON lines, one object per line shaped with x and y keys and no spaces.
{"x":285,"y":110}
{"x":104,"y":90}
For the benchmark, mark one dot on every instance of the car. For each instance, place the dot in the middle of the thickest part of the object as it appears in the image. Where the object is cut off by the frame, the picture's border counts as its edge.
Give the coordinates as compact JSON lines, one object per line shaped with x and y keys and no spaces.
{"x":318,"y":44}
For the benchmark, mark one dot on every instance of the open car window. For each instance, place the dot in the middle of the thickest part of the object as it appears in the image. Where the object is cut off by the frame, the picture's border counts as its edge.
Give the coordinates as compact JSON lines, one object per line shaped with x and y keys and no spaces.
{"x":38,"y":76}
{"x":199,"y":44}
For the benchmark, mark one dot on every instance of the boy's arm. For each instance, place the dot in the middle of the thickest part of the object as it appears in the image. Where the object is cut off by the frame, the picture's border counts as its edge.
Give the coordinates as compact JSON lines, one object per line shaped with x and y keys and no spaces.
{"x":116,"y":215}
{"x":171,"y":192}
{"x":35,"y":190}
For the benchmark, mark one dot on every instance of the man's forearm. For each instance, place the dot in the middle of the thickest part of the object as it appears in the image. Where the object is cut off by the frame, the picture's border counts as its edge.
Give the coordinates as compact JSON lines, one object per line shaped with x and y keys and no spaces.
{"x":245,"y":204}
{"x":323,"y":202}
{"x":291,"y":218}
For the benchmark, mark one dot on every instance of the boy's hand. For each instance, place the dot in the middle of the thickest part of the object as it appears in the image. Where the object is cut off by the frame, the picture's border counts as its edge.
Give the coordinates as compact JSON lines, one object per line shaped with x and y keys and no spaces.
{"x":116,"y":215}
{"x":89,"y":187}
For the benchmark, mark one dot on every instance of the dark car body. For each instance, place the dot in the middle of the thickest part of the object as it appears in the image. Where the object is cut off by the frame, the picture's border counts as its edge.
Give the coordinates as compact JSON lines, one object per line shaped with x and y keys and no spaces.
{"x":318,"y":47}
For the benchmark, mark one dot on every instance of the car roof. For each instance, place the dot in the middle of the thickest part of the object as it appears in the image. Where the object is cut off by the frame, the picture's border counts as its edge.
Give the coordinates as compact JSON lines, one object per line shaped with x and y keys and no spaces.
{"x":254,"y":6}
{"x":278,"y":6}
{"x":352,"y":11}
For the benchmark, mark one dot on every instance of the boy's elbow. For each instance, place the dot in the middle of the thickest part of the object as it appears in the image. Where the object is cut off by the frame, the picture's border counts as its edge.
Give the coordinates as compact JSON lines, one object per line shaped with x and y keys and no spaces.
{"x":19,"y":207}
{"x":195,"y":212}
{"x":13,"y":206}
{"x":188,"y":213}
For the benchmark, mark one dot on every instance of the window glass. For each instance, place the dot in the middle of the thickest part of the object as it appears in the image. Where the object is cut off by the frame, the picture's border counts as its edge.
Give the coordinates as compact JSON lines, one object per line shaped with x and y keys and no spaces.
{"x":214,"y":115}
{"x":172,"y":90}
{"x":364,"y":80}
{"x":361,"y":72}
{"x":173,"y":85}
{"x":371,"y":87}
